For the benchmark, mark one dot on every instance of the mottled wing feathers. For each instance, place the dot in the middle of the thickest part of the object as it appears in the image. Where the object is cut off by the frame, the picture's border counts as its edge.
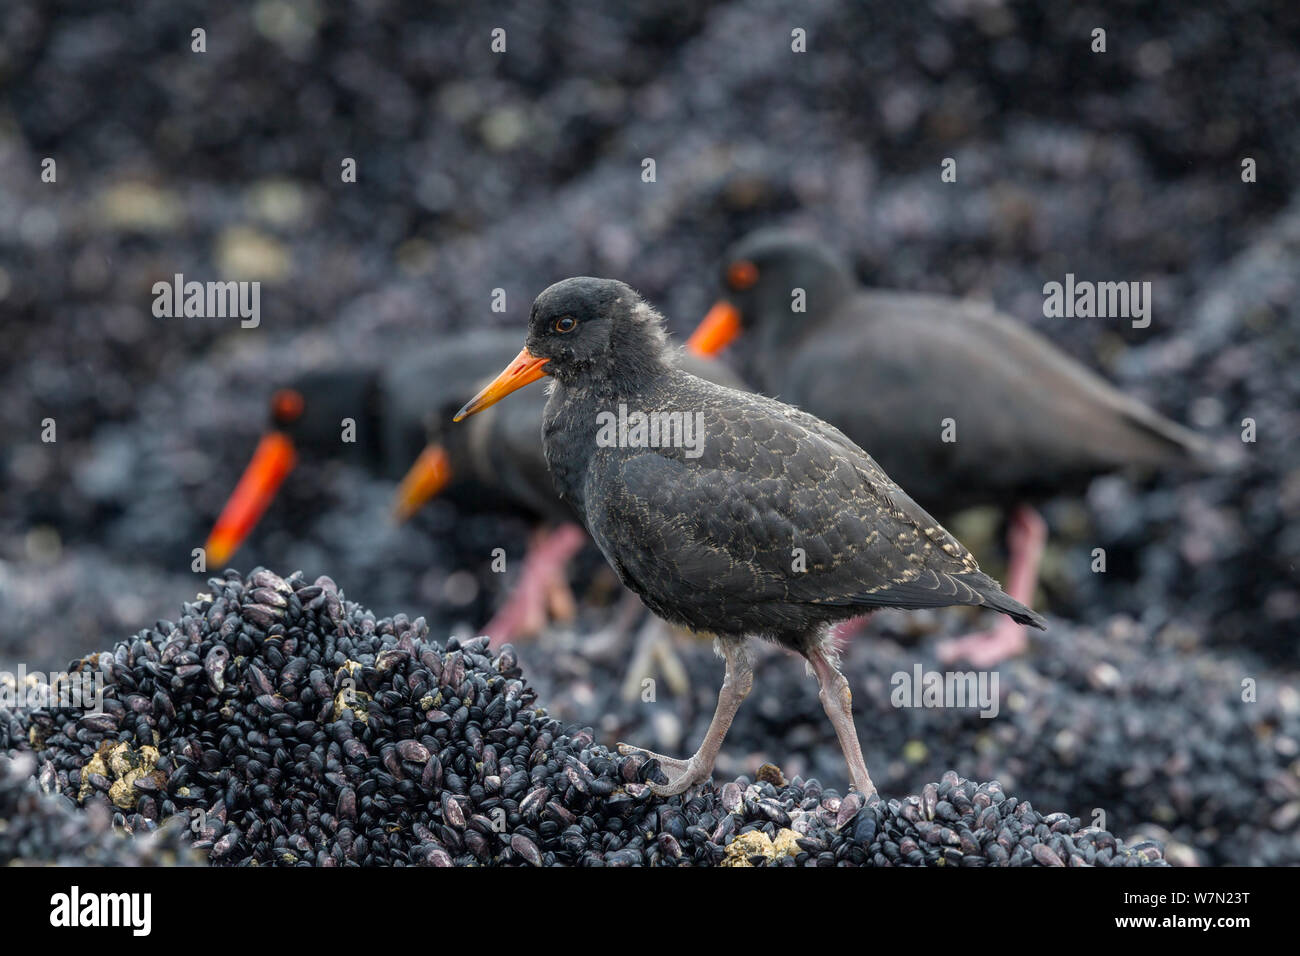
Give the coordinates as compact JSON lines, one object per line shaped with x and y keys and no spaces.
{"x":779,"y":507}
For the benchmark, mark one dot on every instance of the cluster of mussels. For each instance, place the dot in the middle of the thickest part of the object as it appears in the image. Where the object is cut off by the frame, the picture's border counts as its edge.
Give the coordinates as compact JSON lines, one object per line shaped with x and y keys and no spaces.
{"x":287,"y":726}
{"x":38,"y":828}
{"x":1090,"y":720}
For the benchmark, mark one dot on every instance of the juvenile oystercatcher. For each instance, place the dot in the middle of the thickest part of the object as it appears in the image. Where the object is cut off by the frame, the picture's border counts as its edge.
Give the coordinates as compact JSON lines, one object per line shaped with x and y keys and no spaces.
{"x":504,"y":448}
{"x":961,"y":404}
{"x":774,"y":526}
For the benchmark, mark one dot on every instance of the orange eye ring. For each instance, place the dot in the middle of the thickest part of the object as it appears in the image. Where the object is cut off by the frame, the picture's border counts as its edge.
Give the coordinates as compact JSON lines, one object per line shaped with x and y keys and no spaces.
{"x":565,"y":323}
{"x":742,"y":275}
{"x":287,"y":405}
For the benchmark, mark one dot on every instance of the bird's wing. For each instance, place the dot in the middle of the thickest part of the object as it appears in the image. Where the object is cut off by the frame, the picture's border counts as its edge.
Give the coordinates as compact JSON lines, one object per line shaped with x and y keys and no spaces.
{"x":779,"y":506}
{"x":1019,"y":401}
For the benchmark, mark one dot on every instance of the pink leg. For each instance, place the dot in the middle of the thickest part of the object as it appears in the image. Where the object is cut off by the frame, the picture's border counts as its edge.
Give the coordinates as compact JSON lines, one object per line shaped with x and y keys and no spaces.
{"x":1025,"y":540}
{"x":837,"y":701}
{"x":542,"y":586}
{"x":687,"y":773}
{"x":845,"y":631}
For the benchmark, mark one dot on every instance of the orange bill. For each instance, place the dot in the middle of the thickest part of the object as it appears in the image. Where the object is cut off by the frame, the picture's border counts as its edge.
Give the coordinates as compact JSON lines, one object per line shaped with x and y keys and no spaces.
{"x":718,"y":330}
{"x":524,"y":369}
{"x":428,"y":476}
{"x":272,"y":462}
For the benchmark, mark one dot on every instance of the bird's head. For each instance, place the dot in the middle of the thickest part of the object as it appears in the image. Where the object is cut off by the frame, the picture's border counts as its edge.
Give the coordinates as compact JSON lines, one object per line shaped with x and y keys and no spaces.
{"x":775,"y":282}
{"x":304,"y":417}
{"x":582,"y":330}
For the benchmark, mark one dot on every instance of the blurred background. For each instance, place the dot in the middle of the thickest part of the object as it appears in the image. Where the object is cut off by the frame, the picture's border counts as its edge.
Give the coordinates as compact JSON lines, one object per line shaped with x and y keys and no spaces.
{"x":478,"y":171}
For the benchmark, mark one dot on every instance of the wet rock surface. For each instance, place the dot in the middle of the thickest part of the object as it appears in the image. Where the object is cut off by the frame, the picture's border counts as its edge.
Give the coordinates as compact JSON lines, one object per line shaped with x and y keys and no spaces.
{"x":284,"y":725}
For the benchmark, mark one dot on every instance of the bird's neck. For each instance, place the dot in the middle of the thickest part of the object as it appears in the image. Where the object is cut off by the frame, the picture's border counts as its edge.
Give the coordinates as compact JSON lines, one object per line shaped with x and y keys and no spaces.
{"x":572,"y":423}
{"x":569,"y":438}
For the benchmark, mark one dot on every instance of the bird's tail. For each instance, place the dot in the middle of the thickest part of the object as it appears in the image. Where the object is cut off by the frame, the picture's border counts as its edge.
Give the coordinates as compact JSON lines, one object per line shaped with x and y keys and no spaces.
{"x":999,"y":600}
{"x":1165,"y":442}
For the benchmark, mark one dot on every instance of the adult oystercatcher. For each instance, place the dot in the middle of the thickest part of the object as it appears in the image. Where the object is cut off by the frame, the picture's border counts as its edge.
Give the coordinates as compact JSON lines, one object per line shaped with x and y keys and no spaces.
{"x":393,"y":407}
{"x":961,"y":404}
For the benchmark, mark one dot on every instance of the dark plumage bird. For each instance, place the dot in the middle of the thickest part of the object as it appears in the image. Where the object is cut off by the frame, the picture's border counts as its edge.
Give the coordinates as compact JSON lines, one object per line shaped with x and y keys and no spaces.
{"x":891,"y":369}
{"x":500,"y":454}
{"x":496,"y":464}
{"x":397,"y":407}
{"x":773,"y":524}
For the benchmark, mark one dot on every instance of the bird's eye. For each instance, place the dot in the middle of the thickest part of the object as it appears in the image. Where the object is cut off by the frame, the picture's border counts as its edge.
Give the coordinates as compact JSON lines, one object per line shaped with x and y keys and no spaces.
{"x":742,"y":275}
{"x":565,"y":323}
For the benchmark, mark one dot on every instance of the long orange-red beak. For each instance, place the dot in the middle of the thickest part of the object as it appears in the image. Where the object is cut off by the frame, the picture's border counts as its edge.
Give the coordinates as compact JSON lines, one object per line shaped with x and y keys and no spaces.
{"x":428,"y":476}
{"x":719,"y":329}
{"x":272,"y":461}
{"x":524,"y":369}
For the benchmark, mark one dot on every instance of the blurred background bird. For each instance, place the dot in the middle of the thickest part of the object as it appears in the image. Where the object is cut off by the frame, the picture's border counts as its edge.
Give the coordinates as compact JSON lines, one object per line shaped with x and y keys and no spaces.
{"x":959,"y":403}
{"x":381,"y":417}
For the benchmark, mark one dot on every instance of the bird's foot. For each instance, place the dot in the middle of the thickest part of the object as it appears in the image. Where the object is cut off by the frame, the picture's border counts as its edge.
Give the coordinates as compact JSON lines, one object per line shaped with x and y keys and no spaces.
{"x":681,"y":774}
{"x":864,"y":786}
{"x":987,"y":650}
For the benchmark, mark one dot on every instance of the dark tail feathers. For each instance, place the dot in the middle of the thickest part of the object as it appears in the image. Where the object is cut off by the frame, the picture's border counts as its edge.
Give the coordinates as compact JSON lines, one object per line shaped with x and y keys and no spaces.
{"x":997,"y":599}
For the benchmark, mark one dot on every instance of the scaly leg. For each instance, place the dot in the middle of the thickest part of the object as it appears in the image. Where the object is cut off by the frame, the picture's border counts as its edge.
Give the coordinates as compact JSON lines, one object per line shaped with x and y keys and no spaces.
{"x":1026,"y":538}
{"x":736,"y":684}
{"x":837,"y":701}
